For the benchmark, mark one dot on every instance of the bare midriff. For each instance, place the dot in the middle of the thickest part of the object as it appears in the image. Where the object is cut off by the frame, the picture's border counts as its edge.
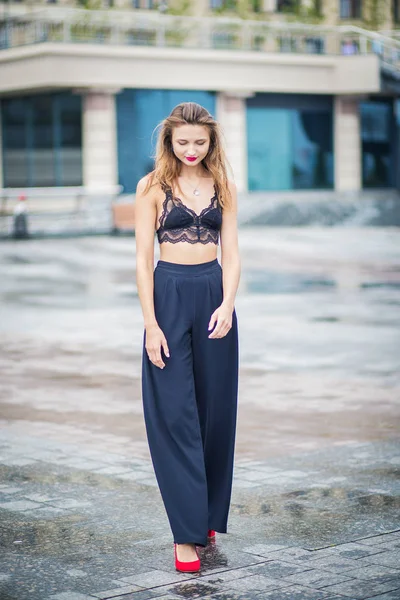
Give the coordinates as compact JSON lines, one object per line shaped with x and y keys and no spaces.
{"x":188,"y":254}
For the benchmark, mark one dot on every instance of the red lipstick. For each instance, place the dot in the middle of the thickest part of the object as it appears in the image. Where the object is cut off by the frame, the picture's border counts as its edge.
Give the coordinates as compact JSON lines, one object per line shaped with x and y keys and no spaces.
{"x":191,"y":158}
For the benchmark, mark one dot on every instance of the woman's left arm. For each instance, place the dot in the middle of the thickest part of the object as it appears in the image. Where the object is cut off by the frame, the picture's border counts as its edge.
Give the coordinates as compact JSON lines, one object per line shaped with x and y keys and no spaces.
{"x":230,"y":262}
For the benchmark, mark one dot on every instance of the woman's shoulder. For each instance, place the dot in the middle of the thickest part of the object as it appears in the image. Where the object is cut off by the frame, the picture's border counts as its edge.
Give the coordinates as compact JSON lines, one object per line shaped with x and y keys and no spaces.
{"x":148,"y":187}
{"x":146,"y":182}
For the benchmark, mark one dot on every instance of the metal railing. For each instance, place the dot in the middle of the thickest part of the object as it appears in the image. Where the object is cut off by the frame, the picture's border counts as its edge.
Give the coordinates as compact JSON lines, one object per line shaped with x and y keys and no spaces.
{"x":136,"y":29}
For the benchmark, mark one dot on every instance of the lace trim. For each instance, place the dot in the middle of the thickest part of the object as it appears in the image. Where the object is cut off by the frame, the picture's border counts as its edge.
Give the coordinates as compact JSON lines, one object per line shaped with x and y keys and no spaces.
{"x":211,"y":236}
{"x":170,"y":197}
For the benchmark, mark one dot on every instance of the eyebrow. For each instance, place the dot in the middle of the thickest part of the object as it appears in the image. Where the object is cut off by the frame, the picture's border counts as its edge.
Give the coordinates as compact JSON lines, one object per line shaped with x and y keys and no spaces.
{"x":185,"y":140}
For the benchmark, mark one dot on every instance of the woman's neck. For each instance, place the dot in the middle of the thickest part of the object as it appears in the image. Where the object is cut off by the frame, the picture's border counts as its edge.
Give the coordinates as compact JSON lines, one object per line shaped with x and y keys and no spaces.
{"x":192,"y":173}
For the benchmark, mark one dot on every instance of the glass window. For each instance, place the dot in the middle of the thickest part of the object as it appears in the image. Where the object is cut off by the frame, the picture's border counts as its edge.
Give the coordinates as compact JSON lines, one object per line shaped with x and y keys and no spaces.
{"x":377,"y":144}
{"x":41,"y":153}
{"x":42,"y":143}
{"x":287,"y":5}
{"x":350,"y":9}
{"x":70,"y":131}
{"x":396,"y":10}
{"x":15,"y":156}
{"x":289,"y":148}
{"x":227,"y":4}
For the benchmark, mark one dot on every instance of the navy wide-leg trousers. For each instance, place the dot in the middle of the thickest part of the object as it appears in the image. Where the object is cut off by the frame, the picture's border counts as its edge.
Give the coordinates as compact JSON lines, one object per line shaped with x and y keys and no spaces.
{"x":190,"y":406}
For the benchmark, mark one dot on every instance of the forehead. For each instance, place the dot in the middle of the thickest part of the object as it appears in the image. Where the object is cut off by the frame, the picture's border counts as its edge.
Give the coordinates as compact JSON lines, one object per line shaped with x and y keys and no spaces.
{"x":190,"y":132}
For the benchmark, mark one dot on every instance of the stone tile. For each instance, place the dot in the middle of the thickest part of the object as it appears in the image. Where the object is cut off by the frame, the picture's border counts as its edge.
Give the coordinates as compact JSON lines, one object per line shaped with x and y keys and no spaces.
{"x":196,"y":587}
{"x":154,"y":578}
{"x":230,"y":575}
{"x":381,"y":539}
{"x":354,"y":550}
{"x":367,"y":572}
{"x":317,"y":579}
{"x":263,"y":549}
{"x":10,"y":490}
{"x":76,"y":573}
{"x":143,"y":595}
{"x":17,"y":462}
{"x":294,"y":554}
{"x":392,"y":546}
{"x":240,"y":483}
{"x":46,"y":512}
{"x":127,"y":589}
{"x":389,"y":596}
{"x":376,"y":540}
{"x":70,"y":503}
{"x":19,"y":505}
{"x":41,"y":497}
{"x":150,"y":481}
{"x":255,"y":582}
{"x":265,"y":469}
{"x":81,"y":463}
{"x":69,"y":596}
{"x":253,"y":476}
{"x":362,"y":589}
{"x":133,"y":475}
{"x":113,"y":470}
{"x":277,"y":568}
{"x":387,"y":559}
{"x":337,"y":564}
{"x":165,"y":597}
{"x":297,"y":592}
{"x":295,"y":474}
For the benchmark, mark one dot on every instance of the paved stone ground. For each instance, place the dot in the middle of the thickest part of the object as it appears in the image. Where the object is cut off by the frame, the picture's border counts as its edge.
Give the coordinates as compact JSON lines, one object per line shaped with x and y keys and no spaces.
{"x":315,"y":505}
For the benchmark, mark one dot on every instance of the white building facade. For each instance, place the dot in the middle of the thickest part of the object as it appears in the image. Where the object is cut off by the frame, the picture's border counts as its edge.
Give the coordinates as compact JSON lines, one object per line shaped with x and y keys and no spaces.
{"x":81,"y":95}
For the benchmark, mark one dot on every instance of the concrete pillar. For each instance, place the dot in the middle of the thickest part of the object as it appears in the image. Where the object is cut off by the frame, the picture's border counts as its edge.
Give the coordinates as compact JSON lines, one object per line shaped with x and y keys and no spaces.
{"x":347,"y":144}
{"x":99,"y":125}
{"x":270,"y":5}
{"x":231,"y":114}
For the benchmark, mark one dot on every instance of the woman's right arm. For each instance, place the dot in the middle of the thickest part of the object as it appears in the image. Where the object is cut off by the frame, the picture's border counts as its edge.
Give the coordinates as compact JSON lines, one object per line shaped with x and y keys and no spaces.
{"x":145,"y":218}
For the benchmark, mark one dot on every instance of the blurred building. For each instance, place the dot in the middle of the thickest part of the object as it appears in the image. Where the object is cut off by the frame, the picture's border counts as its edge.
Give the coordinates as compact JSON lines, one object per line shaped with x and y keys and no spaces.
{"x":307,"y":91}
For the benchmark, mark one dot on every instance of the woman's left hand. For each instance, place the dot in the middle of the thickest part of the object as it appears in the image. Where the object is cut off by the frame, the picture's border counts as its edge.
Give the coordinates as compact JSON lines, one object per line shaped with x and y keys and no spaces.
{"x":222,"y":316}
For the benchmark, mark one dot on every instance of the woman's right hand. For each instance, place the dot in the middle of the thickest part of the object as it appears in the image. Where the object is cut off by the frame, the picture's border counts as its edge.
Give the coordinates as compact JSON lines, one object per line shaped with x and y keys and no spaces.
{"x":155,"y":340}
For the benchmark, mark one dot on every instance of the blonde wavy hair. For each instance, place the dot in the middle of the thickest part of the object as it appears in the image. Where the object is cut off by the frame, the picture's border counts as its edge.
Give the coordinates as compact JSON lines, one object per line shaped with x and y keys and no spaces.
{"x":168,"y":166}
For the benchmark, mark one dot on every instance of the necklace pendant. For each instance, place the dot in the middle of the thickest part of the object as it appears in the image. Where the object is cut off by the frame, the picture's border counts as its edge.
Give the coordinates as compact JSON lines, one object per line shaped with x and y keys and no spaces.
{"x":196,"y":192}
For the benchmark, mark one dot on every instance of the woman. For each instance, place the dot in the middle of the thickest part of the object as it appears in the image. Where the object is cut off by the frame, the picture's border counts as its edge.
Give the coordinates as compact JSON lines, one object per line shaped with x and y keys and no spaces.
{"x":190,"y":355}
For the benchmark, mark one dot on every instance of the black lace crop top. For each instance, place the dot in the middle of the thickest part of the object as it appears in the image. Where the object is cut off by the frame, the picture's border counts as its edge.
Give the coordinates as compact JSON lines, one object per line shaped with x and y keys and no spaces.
{"x":179,"y":223}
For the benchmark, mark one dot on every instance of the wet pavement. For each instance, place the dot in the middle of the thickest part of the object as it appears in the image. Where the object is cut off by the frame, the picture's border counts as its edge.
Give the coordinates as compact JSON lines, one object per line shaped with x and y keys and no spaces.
{"x":316,"y":495}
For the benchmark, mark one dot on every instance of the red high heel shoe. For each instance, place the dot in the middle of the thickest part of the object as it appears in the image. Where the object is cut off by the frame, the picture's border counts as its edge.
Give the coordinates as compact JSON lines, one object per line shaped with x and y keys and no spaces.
{"x":187,"y":567}
{"x":211,"y":534}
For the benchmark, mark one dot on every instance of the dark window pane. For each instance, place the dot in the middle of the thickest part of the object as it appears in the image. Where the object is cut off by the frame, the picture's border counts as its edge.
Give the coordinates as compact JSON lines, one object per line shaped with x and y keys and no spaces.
{"x":396,"y":10}
{"x":42,"y":140}
{"x":42,"y":107}
{"x":350,"y":9}
{"x":288,"y":148}
{"x":71,"y":122}
{"x":14,"y":142}
{"x":70,"y":153}
{"x":287,"y":5}
{"x":377,"y":144}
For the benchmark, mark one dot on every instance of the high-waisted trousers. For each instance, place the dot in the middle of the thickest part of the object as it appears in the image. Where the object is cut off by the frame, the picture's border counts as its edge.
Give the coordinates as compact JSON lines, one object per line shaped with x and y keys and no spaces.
{"x":190,"y":406}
